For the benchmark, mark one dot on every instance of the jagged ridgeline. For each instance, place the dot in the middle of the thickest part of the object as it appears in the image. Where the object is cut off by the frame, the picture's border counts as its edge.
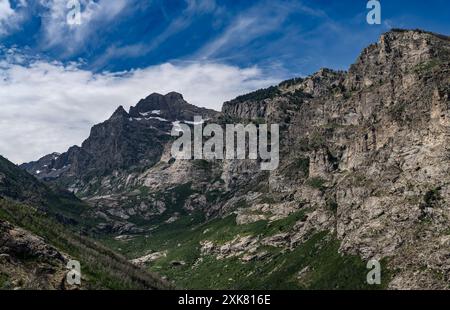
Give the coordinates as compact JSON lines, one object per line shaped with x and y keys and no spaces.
{"x":363,"y":174}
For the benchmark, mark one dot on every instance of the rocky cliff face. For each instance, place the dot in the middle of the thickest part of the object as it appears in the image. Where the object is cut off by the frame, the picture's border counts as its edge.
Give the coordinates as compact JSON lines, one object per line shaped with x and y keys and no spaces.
{"x":126,"y":141}
{"x":364,"y":157}
{"x":371,"y":147}
{"x":27,"y":262}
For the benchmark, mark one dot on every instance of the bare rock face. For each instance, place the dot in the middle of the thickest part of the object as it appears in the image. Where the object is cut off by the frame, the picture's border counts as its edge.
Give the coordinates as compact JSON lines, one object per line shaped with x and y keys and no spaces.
{"x":266,"y":211}
{"x":241,"y":247}
{"x":367,"y":152}
{"x":141,"y":261}
{"x":27,"y":262}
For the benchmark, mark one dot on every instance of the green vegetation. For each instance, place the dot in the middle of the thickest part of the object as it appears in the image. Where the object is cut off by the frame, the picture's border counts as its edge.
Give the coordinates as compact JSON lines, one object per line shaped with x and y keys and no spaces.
{"x":268,"y":198}
{"x":262,"y":94}
{"x":241,"y":204}
{"x":359,"y":179}
{"x":4,"y":281}
{"x":323,"y":268}
{"x":440,"y":36}
{"x":144,"y":191}
{"x":93,"y":187}
{"x":319,"y":256}
{"x":317,"y":183}
{"x":258,"y":121}
{"x":332,"y":205}
{"x":317,"y":141}
{"x":447,"y":232}
{"x":179,"y":193}
{"x":302,"y":164}
{"x":338,"y":89}
{"x":213,"y":196}
{"x":398,"y":111}
{"x":427,"y":66}
{"x":174,"y":199}
{"x":297,"y":97}
{"x":333,"y":125}
{"x":21,"y":186}
{"x":285,"y":224}
{"x":102,"y":268}
{"x":348,"y":94}
{"x":203,"y":164}
{"x":291,"y":82}
{"x":432,"y":197}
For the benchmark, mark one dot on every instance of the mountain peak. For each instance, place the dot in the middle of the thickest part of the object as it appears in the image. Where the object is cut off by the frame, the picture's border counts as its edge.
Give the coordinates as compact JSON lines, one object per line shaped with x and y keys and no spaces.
{"x":174,"y":96}
{"x":169,"y":105}
{"x":120,"y":112}
{"x":398,"y":33}
{"x":407,"y":40}
{"x":153,"y":96}
{"x":170,"y":96}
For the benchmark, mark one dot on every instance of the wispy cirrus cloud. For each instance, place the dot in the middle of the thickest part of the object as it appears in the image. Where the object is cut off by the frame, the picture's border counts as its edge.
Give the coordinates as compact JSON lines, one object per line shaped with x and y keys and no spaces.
{"x":57,"y":32}
{"x":194,"y":9}
{"x":246,"y":34}
{"x":258,"y":20}
{"x":175,"y":25}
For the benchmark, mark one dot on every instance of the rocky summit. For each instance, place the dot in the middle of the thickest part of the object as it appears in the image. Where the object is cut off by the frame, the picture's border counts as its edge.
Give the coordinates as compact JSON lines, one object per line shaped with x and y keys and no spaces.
{"x":364,"y":174}
{"x":125,"y":141}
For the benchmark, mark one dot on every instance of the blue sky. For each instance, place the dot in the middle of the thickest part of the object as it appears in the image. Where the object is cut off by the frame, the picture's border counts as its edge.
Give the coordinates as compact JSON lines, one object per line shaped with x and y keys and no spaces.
{"x":285,"y":37}
{"x":57,"y":80}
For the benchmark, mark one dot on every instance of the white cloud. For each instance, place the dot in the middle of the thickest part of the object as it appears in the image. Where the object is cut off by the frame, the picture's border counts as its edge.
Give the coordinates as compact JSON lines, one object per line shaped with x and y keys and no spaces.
{"x":261,"y":19}
{"x":58,"y":33}
{"x":47,"y":106}
{"x":194,"y":8}
{"x":10,"y":18}
{"x":5,"y":10}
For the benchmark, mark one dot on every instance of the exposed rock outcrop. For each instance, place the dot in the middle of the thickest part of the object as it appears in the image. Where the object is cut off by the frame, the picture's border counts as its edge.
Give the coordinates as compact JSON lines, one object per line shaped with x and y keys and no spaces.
{"x":27,"y":262}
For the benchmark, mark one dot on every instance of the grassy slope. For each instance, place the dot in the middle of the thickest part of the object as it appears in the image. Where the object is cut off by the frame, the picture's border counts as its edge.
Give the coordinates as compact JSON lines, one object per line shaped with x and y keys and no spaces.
{"x":34,"y":206}
{"x":19,"y":185}
{"x":101,"y":267}
{"x":327,"y":269}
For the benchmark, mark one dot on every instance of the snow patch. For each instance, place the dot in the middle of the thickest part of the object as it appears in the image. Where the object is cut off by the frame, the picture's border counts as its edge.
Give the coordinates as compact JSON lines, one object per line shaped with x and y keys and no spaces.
{"x":194,"y":123}
{"x":154,"y":112}
{"x":177,"y":127}
{"x":158,"y":118}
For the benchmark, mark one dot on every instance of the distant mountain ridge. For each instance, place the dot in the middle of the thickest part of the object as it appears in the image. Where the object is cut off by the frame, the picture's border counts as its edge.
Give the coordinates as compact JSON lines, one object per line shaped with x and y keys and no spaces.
{"x":124,"y":141}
